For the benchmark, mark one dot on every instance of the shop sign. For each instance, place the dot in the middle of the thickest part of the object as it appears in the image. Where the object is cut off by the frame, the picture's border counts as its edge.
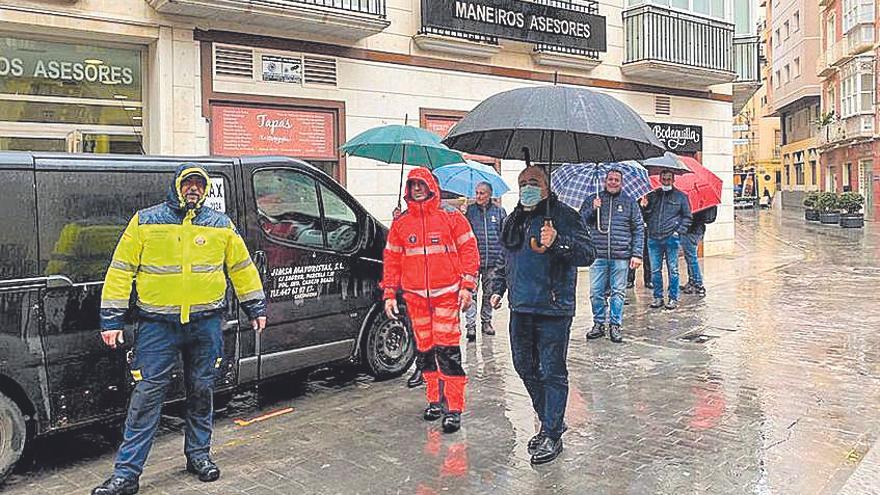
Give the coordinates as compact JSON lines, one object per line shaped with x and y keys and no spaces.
{"x":30,"y":67}
{"x":282,"y":69}
{"x":679,"y":138}
{"x":237,"y":130}
{"x":518,"y":20}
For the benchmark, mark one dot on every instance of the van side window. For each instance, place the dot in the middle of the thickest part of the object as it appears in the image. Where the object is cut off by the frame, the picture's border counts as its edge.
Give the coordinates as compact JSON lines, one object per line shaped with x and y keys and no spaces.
{"x":340,"y":221}
{"x":288,"y":208}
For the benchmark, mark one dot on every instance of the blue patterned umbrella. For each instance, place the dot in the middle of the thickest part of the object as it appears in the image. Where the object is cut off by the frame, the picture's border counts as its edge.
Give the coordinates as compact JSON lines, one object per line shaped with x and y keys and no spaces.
{"x":574,"y":183}
{"x":462,"y":178}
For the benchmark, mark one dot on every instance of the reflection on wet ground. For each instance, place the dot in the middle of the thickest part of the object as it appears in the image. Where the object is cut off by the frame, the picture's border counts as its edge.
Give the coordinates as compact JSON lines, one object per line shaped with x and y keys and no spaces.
{"x":770,"y":384}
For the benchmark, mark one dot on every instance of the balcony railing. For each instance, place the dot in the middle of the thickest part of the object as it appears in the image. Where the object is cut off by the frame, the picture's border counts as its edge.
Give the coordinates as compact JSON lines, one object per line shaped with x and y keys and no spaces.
{"x":673,"y":46}
{"x":746,"y":59}
{"x":849,"y":128}
{"x":348,"y":19}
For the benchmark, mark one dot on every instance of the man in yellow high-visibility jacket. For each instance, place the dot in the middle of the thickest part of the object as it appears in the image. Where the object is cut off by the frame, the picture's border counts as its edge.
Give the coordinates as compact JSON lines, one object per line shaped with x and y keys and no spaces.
{"x":179,"y":253}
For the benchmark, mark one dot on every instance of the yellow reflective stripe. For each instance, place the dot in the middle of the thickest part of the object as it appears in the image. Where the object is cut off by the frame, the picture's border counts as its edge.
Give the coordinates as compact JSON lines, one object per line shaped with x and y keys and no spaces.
{"x":435,"y":292}
{"x":446,"y":312}
{"x":114,"y":304}
{"x":121,"y":265}
{"x":195,"y":308}
{"x":240,"y":265}
{"x":159,"y":309}
{"x":161,"y":270}
{"x":464,"y":238}
{"x":207,"y":268}
{"x":250,"y":296}
{"x":394,"y":248}
{"x":420,"y":322}
{"x":136,"y":374}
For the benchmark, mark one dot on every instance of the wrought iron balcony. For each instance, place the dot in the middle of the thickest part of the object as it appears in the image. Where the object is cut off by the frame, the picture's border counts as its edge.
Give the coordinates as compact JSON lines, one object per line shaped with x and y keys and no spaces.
{"x":666,"y":46}
{"x":746,"y":59}
{"x":344,"y":19}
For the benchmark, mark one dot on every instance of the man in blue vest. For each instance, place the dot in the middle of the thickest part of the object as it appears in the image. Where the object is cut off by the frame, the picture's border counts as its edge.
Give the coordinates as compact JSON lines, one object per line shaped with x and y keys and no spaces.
{"x":485,"y":218}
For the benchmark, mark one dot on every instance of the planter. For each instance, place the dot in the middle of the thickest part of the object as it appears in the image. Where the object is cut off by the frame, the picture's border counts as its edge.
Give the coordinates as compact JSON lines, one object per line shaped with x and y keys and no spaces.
{"x":811,"y":215}
{"x":855,"y":221}
{"x":829,"y":218}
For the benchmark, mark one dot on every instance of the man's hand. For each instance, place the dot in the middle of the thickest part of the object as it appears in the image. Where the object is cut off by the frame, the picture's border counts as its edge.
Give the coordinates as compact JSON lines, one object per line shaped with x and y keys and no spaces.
{"x":495,"y":301}
{"x":112,"y":337}
{"x":635,"y":263}
{"x":597,"y":203}
{"x":391,"y":310}
{"x":259,"y":323}
{"x":643,"y":202}
{"x":548,"y":235}
{"x":465,"y":299}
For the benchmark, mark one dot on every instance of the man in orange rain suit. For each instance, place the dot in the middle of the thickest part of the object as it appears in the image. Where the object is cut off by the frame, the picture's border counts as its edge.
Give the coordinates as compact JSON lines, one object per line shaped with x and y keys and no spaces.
{"x":432,"y":256}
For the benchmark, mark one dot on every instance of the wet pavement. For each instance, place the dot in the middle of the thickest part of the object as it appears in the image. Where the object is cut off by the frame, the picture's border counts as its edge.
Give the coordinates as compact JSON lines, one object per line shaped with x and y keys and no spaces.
{"x":768,"y":385}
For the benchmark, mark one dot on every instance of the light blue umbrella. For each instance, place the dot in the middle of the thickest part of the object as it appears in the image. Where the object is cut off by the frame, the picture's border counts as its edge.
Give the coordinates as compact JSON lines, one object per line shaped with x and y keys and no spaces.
{"x":462,"y":178}
{"x":574,"y":183}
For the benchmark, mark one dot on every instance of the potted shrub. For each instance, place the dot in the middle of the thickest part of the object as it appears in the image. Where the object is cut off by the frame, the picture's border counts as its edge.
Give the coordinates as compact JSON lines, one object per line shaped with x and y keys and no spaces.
{"x":811,"y":214}
{"x":829,"y":212}
{"x":850,"y":204}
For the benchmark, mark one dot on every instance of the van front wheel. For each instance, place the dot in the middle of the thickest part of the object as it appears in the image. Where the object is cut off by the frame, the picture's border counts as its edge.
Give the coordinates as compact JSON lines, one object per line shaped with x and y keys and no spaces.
{"x":13,"y":435}
{"x":389,"y":347}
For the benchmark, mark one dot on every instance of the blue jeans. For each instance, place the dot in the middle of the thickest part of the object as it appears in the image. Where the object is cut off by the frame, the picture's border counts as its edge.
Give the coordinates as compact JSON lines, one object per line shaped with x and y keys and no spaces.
{"x":608,"y":275}
{"x":157,"y":347}
{"x":689,"y":243}
{"x":659,"y":249}
{"x":539,"y":345}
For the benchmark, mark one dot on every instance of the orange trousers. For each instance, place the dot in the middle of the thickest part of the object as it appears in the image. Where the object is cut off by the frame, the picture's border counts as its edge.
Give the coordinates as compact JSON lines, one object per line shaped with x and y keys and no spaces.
{"x":437,"y":329}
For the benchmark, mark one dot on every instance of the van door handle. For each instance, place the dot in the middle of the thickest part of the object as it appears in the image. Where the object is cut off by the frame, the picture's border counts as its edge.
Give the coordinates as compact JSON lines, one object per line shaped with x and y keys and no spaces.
{"x":58,"y":282}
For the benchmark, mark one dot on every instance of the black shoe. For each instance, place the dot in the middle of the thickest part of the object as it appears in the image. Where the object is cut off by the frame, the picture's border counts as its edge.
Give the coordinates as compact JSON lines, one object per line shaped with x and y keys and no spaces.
{"x":433,"y":412}
{"x":451,"y":422}
{"x":700,"y":290}
{"x":630,"y":284}
{"x":535,"y":442}
{"x":649,"y":285}
{"x":471,"y":334}
{"x":657,"y":303}
{"x":416,"y":380}
{"x":547,"y":451}
{"x":672,"y":304}
{"x":117,"y":485}
{"x":205,"y":468}
{"x":625,"y":301}
{"x":688,"y":288}
{"x":488,"y":329}
{"x":597,"y":332}
{"x":616,"y":334}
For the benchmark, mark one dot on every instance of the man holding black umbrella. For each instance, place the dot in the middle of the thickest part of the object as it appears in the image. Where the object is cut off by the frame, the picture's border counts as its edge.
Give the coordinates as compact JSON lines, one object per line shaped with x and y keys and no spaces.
{"x":541,"y":283}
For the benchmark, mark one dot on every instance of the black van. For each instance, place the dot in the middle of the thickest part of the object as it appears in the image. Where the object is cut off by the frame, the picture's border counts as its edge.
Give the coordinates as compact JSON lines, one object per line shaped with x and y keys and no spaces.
{"x":318,"y":251}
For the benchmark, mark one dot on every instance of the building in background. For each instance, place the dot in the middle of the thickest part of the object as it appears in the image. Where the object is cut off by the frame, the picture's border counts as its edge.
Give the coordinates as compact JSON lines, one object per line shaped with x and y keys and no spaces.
{"x":298,"y":77}
{"x":793,"y":88}
{"x":757,"y":143}
{"x":847,"y":127}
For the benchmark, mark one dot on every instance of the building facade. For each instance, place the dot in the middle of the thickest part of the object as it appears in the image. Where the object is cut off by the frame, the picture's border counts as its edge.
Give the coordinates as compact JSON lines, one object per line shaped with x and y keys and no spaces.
{"x":757,"y":143}
{"x":793,"y":88}
{"x":848,"y":127}
{"x":299,"y":77}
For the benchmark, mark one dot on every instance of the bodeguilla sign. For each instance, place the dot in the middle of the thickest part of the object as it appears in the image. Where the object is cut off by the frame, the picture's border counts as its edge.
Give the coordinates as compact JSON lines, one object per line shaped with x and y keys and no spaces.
{"x":679,"y":138}
{"x":518,"y":20}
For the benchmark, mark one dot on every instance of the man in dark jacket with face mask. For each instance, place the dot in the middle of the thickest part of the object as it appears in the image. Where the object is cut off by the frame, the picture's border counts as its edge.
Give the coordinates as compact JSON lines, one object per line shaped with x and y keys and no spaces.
{"x":668,"y":216}
{"x":541,"y":281}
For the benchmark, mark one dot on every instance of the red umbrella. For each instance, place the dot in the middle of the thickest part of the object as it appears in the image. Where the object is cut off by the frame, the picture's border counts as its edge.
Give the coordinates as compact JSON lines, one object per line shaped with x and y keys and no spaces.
{"x":703,"y":187}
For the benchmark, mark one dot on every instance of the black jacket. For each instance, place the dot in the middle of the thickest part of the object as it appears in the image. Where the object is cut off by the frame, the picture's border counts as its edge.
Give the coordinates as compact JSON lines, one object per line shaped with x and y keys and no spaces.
{"x":542,"y":284}
{"x":619,"y":232}
{"x":667,"y":213}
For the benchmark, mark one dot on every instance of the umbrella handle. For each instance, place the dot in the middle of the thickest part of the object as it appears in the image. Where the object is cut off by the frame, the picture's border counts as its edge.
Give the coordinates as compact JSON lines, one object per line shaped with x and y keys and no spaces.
{"x":536,"y":242}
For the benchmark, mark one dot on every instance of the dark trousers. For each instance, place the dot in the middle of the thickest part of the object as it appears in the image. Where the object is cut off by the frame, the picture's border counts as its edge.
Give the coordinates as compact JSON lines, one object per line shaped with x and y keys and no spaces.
{"x":157,"y":347}
{"x":539,"y":345}
{"x":646,"y":266}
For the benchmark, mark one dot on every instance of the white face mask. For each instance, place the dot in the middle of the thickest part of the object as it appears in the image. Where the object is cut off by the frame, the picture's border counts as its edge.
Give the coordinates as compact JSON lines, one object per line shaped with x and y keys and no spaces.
{"x":666,"y":188}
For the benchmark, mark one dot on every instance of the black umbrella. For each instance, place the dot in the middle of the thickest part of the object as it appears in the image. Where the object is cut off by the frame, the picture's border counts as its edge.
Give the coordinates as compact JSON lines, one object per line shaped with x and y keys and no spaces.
{"x":555,"y":124}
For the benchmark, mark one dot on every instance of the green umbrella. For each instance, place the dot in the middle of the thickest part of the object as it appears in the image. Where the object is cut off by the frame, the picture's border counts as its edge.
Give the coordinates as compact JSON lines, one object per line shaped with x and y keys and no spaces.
{"x":403,"y":144}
